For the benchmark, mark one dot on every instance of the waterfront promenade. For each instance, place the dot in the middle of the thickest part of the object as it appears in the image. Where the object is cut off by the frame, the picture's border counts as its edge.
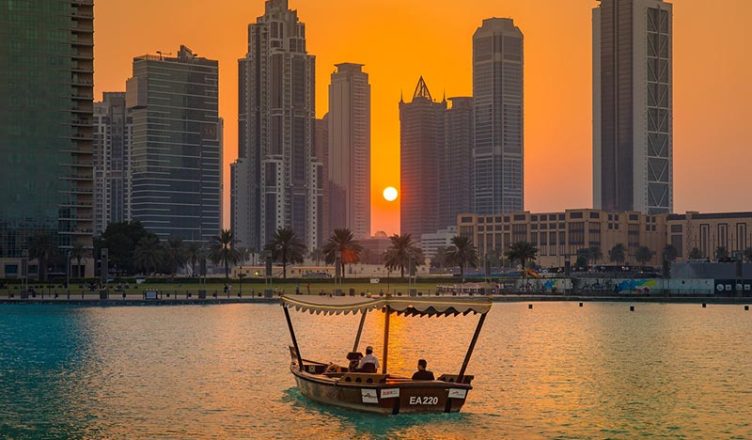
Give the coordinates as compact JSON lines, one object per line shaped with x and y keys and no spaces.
{"x":132,"y":299}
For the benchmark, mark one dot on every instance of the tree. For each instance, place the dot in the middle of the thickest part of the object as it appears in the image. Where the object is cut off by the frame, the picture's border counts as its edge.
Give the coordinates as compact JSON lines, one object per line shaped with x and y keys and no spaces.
{"x":244,"y":254}
{"x":342,"y":243}
{"x":401,"y":250}
{"x":748,"y":254}
{"x":42,"y":246}
{"x":193,"y":253}
{"x":595,"y":254}
{"x":223,"y":251}
{"x":522,"y":251}
{"x":721,"y":253}
{"x":121,"y":239}
{"x":617,"y":254}
{"x":643,"y":255}
{"x":317,"y":255}
{"x":148,"y":254}
{"x":77,"y":253}
{"x":440,"y":259}
{"x":286,"y":248}
{"x":668,"y":256}
{"x":175,"y":254}
{"x":695,"y":254}
{"x":584,"y":255}
{"x":462,"y":253}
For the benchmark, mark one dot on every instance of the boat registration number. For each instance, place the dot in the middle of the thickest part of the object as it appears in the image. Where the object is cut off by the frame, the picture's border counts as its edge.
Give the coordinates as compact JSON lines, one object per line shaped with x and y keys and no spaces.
{"x":424,"y":400}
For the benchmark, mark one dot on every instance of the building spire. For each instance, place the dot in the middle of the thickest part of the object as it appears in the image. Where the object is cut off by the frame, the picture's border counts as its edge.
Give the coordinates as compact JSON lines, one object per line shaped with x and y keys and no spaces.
{"x":421,"y":90}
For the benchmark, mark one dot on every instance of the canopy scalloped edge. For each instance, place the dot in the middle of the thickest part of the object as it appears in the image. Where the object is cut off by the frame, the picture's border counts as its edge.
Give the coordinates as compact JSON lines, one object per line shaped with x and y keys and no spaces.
{"x":408,"y":306}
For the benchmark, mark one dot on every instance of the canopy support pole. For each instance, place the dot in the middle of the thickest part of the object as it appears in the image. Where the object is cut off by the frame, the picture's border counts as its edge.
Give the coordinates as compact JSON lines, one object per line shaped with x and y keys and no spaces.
{"x":386,"y":338}
{"x":471,"y":348}
{"x":294,"y":341}
{"x":360,"y":330}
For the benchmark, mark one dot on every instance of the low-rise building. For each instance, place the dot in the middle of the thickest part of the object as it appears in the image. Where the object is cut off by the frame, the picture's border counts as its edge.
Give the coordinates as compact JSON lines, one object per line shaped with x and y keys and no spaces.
{"x":559,"y":235}
{"x":430,"y":243}
{"x":707,"y":232}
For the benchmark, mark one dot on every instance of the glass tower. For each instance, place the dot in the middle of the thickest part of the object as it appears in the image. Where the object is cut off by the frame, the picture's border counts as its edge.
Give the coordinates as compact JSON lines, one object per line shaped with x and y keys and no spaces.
{"x":176,"y":158}
{"x":46,"y":128}
{"x":498,"y":165}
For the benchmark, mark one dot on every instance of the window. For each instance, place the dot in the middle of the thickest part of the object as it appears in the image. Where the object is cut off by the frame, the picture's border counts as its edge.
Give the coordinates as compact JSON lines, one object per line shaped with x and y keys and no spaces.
{"x":575,"y":215}
{"x":577,"y":233}
{"x":595,"y":215}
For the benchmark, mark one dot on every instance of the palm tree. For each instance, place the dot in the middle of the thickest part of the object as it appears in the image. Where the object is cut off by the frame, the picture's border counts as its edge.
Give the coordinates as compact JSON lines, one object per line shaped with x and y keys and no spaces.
{"x":401,"y":250}
{"x":77,"y":252}
{"x":175,"y":253}
{"x":695,"y":254}
{"x":617,"y":254}
{"x":42,"y":247}
{"x":342,"y":244}
{"x":462,"y":253}
{"x":643,"y":255}
{"x":193,"y":253}
{"x":584,"y":255}
{"x":223,"y":251}
{"x":286,"y":248}
{"x":522,"y":251}
{"x":148,"y":254}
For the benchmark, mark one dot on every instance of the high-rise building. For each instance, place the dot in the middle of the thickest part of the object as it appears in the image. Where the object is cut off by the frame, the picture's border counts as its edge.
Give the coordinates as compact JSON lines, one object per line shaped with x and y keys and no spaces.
{"x":112,"y":144}
{"x":321,"y":151}
{"x":632,"y":106}
{"x":421,"y":143}
{"x":455,"y":162}
{"x":349,"y":168}
{"x":46,"y":128}
{"x":176,"y":155}
{"x":498,"y":155}
{"x":281,"y":176}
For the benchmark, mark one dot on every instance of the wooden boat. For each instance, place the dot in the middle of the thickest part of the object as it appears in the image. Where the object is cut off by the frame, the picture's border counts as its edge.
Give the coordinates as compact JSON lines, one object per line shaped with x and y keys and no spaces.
{"x":382,"y":392}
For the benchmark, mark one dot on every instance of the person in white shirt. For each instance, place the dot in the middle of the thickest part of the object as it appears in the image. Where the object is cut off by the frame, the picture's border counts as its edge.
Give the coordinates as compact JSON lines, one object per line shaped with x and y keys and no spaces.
{"x":369,"y":358}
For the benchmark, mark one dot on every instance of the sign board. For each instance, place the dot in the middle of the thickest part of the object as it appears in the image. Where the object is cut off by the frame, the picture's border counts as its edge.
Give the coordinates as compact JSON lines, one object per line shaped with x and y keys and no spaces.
{"x":375,"y":281}
{"x":151,"y":294}
{"x":389,"y":393}
{"x":457,"y":393}
{"x":369,"y":395}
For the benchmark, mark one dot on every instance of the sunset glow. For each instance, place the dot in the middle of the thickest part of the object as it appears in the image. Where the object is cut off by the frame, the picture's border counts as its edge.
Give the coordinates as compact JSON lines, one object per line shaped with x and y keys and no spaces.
{"x":398,"y":41}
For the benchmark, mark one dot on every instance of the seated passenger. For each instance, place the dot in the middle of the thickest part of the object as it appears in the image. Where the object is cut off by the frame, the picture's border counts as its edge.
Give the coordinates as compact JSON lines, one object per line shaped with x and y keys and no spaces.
{"x":422,"y":373}
{"x":368,"y":363}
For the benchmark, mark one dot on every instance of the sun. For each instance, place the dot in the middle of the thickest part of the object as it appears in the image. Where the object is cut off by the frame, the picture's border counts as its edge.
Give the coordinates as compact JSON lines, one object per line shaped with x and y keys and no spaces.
{"x":390,"y":193}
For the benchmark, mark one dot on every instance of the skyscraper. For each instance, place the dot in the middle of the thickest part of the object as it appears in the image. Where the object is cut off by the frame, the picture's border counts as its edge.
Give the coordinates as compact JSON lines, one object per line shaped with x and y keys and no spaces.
{"x":46,"y":128}
{"x":321,"y":151}
{"x":112,"y":144}
{"x":349,"y":155}
{"x":632,"y":106}
{"x":177,"y":145}
{"x":281,"y":176}
{"x":455,"y":162}
{"x":421,"y":143}
{"x":498,"y":155}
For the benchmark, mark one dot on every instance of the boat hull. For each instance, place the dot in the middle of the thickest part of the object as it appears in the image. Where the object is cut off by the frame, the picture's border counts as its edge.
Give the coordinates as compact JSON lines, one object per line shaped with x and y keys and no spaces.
{"x":383,"y":396}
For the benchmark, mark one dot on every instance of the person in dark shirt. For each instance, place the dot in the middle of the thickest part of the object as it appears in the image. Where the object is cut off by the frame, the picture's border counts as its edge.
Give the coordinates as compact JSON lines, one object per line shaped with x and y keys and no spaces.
{"x":422,"y":373}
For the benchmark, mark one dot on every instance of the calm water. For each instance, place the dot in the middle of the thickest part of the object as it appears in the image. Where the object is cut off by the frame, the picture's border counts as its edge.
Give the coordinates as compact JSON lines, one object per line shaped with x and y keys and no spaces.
{"x":557,"y":371}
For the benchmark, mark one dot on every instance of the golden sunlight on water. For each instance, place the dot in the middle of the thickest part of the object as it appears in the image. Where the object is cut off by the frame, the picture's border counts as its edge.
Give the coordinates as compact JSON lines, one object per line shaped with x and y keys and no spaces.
{"x":557,"y":370}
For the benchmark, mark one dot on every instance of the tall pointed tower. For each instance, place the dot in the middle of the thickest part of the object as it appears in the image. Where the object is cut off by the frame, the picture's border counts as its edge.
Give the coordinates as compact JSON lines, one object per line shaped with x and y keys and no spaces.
{"x":421,"y":141}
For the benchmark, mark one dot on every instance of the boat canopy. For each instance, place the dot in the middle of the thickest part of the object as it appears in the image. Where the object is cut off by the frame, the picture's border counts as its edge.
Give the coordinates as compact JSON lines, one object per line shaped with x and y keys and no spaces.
{"x":408,"y":306}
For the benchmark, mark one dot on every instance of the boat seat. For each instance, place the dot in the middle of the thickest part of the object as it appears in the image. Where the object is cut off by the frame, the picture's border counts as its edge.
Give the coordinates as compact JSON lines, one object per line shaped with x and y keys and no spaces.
{"x":362,"y":378}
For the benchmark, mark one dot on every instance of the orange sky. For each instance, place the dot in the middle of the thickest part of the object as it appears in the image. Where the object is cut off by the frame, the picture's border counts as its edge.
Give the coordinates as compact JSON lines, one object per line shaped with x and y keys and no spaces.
{"x":400,"y":40}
